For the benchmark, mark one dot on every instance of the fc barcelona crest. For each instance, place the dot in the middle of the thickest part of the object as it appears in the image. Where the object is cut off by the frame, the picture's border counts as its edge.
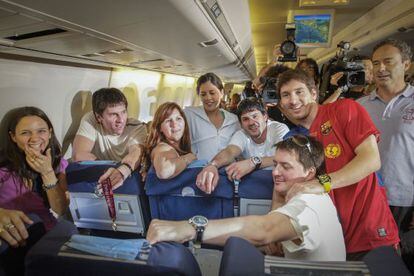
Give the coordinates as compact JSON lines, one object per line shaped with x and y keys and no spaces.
{"x":326,"y":128}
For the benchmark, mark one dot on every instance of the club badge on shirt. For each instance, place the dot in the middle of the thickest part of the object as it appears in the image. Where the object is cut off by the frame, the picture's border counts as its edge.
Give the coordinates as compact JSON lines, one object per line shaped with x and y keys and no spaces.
{"x":326,"y":128}
{"x":332,"y":151}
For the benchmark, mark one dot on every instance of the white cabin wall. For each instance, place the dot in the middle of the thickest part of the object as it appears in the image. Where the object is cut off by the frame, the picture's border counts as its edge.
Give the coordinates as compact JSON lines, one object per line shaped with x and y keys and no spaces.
{"x":64,"y":92}
{"x":49,"y":87}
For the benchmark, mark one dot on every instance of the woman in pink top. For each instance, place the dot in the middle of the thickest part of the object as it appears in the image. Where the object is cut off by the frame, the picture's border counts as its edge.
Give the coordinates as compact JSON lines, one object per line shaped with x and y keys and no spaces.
{"x":32,"y":173}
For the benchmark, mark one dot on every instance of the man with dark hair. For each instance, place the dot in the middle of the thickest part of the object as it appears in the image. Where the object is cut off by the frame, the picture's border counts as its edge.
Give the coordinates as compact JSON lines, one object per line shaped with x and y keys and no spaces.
{"x":391,"y":107}
{"x":254,"y":142}
{"x":107,"y":134}
{"x":306,"y":225}
{"x":349,"y":138}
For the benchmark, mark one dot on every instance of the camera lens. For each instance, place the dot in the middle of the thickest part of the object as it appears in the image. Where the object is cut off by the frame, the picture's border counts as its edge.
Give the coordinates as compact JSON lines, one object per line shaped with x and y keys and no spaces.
{"x":287,"y":47}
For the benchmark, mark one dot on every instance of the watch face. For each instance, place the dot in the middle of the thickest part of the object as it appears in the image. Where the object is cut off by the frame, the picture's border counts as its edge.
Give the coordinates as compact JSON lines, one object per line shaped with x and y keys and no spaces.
{"x":256,"y":160}
{"x":200,"y":220}
{"x":324,"y":178}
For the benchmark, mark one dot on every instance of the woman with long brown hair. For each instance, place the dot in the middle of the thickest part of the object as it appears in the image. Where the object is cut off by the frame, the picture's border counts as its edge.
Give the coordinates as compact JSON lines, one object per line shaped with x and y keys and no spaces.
{"x":168,"y":145}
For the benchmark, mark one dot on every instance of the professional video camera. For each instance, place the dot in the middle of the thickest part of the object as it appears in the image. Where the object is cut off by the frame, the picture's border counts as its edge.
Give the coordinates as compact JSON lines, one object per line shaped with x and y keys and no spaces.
{"x":354,"y":74}
{"x":268,"y":93}
{"x":288,"y":47}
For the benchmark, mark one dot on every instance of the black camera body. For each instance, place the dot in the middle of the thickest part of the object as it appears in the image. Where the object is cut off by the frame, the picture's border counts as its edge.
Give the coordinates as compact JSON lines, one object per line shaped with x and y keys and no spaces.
{"x":354,"y":74}
{"x":288,"y":47}
{"x":269,"y":93}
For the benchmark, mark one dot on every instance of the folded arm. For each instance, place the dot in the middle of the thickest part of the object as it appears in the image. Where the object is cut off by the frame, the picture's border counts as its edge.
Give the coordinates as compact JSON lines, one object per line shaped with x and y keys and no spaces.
{"x":168,"y":163}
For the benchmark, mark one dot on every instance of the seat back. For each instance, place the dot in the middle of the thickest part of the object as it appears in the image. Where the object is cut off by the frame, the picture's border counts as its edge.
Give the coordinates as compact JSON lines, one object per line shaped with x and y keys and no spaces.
{"x":255,"y":192}
{"x":179,"y":198}
{"x":89,"y":210}
{"x":50,"y":257}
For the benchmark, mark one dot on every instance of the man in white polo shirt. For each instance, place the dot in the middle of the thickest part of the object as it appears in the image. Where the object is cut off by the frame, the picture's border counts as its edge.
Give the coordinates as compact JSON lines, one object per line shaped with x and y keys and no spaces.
{"x":391,"y":107}
{"x":254,"y":142}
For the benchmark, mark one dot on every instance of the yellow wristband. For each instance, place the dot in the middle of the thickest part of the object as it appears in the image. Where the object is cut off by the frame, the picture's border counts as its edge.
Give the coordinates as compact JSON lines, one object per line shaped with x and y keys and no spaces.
{"x":325,"y":181}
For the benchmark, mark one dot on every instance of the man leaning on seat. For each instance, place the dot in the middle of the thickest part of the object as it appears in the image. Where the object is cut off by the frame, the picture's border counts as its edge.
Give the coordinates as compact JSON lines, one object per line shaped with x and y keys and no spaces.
{"x":107,"y":134}
{"x":254,"y":142}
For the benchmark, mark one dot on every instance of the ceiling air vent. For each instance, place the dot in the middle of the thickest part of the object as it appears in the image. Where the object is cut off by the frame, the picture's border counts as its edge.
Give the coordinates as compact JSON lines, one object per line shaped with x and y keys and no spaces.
{"x":209,"y":43}
{"x":146,"y":61}
{"x":93,"y":55}
{"x":18,"y":37}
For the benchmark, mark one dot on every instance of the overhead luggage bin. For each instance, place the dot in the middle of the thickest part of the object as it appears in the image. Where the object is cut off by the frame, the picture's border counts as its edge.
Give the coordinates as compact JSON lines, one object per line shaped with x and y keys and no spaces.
{"x":89,"y":210}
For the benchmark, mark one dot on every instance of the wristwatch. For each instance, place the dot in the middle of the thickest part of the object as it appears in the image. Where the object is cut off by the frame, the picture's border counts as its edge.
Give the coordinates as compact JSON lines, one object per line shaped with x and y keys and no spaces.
{"x":325,"y":181}
{"x":199,"y":223}
{"x":257,"y":161}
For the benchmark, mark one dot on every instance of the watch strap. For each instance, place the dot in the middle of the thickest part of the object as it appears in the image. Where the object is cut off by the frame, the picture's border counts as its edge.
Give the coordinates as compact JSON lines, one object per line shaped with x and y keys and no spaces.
{"x":325,"y":181}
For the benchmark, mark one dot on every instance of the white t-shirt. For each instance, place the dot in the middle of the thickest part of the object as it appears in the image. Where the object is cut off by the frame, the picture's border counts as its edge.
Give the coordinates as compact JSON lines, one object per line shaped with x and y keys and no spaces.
{"x":111,"y":147}
{"x":275,"y":133}
{"x":315,"y":219}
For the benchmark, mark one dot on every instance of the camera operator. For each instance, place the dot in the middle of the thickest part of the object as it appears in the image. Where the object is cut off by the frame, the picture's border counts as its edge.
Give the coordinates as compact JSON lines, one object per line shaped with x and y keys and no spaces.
{"x":355,"y":92}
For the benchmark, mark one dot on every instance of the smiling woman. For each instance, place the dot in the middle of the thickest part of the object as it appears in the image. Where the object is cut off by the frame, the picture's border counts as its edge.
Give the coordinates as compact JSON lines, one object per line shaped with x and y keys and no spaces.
{"x":168,"y":143}
{"x":211,"y":127}
{"x":32,"y":173}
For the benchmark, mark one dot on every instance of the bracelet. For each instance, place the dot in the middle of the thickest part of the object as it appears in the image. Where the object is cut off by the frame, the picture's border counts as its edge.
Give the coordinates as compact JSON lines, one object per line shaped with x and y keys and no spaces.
{"x":129,"y":167}
{"x":49,"y":186}
{"x":212,"y":163}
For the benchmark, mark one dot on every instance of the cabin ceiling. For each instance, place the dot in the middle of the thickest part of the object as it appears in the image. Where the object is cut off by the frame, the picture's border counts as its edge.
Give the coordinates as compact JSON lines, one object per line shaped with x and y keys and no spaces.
{"x":268,"y":19}
{"x":159,"y":35}
{"x":184,"y":37}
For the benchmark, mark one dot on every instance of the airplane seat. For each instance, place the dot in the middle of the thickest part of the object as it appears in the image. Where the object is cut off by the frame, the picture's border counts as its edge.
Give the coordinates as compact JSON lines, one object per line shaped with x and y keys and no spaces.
{"x":255,"y":193}
{"x":12,"y":259}
{"x":52,"y":256}
{"x":242,"y":258}
{"x":179,"y":198}
{"x":89,"y":209}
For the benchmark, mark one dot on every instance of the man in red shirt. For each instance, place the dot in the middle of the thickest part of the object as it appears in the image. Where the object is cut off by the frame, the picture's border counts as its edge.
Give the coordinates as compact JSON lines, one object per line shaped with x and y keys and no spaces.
{"x":350,"y":139}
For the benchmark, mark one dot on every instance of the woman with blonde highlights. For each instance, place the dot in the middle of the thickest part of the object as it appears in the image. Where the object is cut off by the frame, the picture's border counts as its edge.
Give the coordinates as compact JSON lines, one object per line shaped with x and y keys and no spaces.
{"x":168,"y":146}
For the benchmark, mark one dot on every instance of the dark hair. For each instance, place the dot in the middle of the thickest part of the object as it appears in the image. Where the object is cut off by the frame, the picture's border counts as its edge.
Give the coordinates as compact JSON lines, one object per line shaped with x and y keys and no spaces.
{"x":275,"y":71}
{"x":248,"y":105}
{"x":309,"y":150}
{"x":155,"y":135}
{"x":11,"y":156}
{"x":209,"y":77}
{"x":297,"y":75}
{"x":359,"y":58}
{"x":105,"y":97}
{"x":312,"y":64}
{"x":405,"y":50}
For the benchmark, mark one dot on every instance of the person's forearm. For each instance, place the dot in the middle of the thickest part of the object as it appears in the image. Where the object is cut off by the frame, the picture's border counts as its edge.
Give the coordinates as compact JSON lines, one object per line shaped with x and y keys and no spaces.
{"x":266,"y":162}
{"x":134,"y":156}
{"x":223,"y":158}
{"x":364,"y":163}
{"x":83,"y":156}
{"x":258,"y":230}
{"x":170,"y":168}
{"x":56,"y":196}
{"x":333,"y":97}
